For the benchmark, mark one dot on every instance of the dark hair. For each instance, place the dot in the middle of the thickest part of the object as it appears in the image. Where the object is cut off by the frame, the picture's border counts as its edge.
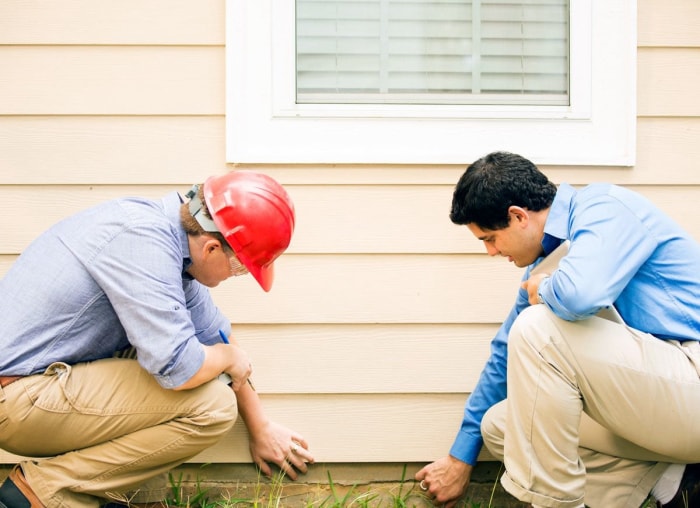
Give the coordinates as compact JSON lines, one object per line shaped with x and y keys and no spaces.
{"x":493,"y":184}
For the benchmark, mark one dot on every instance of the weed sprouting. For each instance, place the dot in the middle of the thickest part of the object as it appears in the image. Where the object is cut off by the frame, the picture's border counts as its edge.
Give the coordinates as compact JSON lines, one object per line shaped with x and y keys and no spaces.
{"x":270,"y":494}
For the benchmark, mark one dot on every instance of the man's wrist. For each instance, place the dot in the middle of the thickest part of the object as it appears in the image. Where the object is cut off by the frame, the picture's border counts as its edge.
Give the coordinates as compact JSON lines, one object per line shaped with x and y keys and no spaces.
{"x":539,"y":287}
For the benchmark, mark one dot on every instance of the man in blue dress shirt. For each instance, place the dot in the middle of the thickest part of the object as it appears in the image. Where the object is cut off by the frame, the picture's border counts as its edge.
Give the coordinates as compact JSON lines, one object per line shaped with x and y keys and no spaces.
{"x":134,"y":273}
{"x":580,"y":408}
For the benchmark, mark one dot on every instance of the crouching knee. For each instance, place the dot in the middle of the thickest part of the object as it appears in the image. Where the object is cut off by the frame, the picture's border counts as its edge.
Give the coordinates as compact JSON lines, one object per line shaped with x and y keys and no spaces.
{"x":216,"y":409}
{"x":531,"y":328}
{"x":493,"y":429}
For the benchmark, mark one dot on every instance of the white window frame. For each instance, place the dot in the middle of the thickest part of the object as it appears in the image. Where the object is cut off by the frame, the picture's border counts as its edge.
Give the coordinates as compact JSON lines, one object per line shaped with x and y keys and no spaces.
{"x":265,"y":125}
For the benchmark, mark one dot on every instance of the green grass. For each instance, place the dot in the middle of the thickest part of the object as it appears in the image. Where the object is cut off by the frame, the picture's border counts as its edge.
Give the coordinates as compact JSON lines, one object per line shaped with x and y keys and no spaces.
{"x":271,"y":494}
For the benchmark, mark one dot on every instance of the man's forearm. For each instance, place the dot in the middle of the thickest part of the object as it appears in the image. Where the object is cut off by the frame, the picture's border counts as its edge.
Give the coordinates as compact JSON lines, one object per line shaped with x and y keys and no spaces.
{"x":250,"y":408}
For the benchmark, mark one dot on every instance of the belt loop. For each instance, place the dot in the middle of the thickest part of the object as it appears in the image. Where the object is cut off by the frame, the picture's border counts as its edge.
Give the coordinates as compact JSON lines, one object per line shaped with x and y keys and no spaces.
{"x":2,"y":394}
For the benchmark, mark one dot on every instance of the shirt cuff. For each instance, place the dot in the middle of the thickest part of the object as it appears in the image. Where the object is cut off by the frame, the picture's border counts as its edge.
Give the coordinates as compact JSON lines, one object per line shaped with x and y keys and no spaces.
{"x":182,"y":371}
{"x":467,"y":447}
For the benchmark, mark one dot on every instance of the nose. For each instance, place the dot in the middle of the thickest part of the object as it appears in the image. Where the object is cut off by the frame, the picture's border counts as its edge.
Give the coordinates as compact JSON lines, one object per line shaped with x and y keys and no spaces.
{"x":490,"y":249}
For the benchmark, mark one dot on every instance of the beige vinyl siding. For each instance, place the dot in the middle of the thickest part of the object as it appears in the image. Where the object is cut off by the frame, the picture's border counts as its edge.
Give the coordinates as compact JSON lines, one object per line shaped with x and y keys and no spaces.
{"x":382,"y":312}
{"x":333,"y":219}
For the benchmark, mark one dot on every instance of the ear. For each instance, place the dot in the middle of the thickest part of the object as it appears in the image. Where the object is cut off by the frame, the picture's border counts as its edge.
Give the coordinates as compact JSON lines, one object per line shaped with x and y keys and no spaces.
{"x":210,"y":245}
{"x":519,"y":215}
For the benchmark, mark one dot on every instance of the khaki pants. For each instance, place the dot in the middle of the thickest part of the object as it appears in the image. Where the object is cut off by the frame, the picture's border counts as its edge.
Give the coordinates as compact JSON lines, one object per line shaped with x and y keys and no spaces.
{"x":595,"y":411}
{"x":108,"y":427}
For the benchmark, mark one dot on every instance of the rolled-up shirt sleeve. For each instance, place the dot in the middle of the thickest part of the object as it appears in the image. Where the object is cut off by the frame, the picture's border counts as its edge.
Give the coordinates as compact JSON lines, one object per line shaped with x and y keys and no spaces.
{"x":165,"y":317}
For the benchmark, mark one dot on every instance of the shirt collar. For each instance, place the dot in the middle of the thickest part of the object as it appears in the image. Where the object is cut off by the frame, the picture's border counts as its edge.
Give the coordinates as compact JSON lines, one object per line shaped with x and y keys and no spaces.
{"x":556,"y":229}
{"x":171,"y":205}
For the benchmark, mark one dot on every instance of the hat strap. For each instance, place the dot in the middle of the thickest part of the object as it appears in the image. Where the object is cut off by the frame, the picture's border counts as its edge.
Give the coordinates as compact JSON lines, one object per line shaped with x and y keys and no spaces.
{"x":196,"y":210}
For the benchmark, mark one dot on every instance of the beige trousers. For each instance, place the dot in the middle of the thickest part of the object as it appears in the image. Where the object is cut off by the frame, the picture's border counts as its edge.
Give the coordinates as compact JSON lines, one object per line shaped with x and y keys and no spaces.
{"x":107,"y":427}
{"x":595,"y":411}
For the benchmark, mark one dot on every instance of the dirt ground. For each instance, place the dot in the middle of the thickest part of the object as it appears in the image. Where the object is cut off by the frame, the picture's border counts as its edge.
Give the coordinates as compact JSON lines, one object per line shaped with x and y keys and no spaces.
{"x":383,"y":483}
{"x":324,"y":485}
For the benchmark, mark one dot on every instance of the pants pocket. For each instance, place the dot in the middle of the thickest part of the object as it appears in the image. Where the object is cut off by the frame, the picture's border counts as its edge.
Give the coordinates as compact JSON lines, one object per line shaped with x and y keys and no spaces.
{"x":49,"y":393}
{"x":691,"y":348}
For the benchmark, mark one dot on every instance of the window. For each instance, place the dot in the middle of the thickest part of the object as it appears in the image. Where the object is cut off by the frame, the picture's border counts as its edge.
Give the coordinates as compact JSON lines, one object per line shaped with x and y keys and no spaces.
{"x":567,"y":98}
{"x":432,"y":51}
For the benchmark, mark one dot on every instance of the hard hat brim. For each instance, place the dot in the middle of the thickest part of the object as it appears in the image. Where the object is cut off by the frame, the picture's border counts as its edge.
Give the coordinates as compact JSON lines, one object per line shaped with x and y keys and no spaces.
{"x":264,"y":275}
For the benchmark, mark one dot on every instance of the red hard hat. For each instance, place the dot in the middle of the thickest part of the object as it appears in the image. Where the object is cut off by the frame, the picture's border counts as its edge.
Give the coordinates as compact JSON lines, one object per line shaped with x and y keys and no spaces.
{"x":255,"y":215}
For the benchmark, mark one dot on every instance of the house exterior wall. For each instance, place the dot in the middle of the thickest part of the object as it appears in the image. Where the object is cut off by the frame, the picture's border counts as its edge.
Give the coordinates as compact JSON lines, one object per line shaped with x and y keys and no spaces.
{"x":382,"y":310}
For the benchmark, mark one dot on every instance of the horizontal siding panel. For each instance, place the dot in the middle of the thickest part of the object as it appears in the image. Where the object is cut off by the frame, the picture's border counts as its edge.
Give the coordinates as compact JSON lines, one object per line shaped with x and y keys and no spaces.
{"x":380,"y":288}
{"x":415,"y":219}
{"x":373,"y":358}
{"x":668,"y":23}
{"x":126,"y":80}
{"x":667,"y":81}
{"x":112,"y":22}
{"x":333,"y":219}
{"x":338,"y":219}
{"x":667,"y":151}
{"x":177,"y":150}
{"x":352,"y":428}
{"x":128,"y":22}
{"x":382,"y":219}
{"x":93,"y":150}
{"x":48,"y":205}
{"x":358,"y":428}
{"x":343,"y":219}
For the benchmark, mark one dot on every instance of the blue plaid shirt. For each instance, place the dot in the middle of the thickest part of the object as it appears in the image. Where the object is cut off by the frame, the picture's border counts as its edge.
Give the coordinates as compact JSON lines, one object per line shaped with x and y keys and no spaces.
{"x":104,"y":279}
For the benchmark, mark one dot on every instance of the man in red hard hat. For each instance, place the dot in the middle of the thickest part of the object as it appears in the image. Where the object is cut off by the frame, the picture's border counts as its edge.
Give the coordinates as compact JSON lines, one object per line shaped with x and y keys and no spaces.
{"x":133,"y":274}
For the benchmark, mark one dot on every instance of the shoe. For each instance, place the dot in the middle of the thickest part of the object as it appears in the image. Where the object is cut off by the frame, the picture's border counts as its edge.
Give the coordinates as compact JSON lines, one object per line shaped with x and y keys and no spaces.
{"x":15,"y":492}
{"x":12,"y":497}
{"x":688,"y":494}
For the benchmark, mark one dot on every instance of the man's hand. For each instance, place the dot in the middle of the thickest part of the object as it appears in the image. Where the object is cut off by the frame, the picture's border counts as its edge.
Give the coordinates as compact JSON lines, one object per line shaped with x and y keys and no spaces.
{"x":532,"y":285}
{"x":240,"y":366}
{"x":446,"y":480}
{"x":279,"y":445}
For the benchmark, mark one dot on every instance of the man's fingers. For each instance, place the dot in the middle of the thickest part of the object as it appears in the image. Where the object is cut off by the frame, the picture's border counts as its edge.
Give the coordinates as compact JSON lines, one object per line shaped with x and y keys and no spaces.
{"x":264,"y":468}
{"x":300,"y":441}
{"x":289,"y":471}
{"x":288,"y":467}
{"x":298,"y":463}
